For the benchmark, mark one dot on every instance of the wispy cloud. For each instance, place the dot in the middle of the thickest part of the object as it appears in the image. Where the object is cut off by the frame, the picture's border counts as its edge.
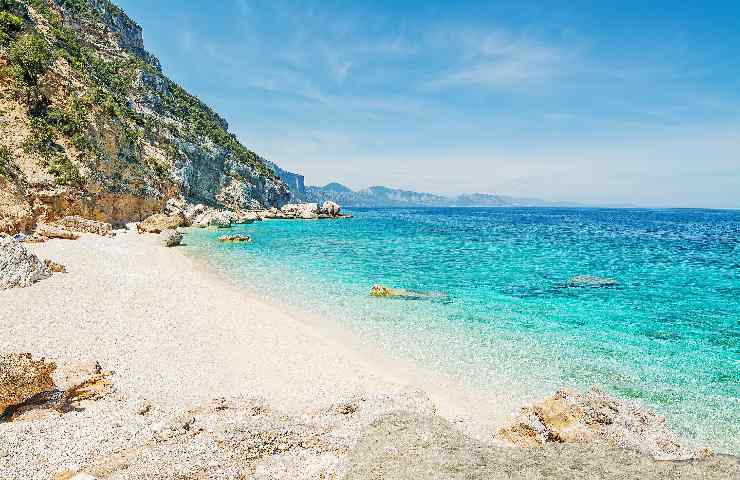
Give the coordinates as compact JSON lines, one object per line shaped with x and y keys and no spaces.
{"x":499,"y":59}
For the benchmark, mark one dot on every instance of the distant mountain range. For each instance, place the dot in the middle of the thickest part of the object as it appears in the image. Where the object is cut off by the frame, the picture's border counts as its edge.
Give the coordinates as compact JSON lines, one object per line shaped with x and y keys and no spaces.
{"x":379,"y":196}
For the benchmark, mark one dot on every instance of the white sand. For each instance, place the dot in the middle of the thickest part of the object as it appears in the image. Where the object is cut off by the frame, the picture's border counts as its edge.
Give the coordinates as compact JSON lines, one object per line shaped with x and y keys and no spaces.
{"x":177,"y":335}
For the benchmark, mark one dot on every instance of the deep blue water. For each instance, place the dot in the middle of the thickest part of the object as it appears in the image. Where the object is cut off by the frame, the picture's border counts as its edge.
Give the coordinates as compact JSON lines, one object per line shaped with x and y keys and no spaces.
{"x":668,"y":335}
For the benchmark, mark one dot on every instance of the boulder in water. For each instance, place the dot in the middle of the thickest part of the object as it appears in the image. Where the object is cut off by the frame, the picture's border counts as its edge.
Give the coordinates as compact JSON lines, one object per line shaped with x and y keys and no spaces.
{"x":18,"y":266}
{"x":592,"y":281}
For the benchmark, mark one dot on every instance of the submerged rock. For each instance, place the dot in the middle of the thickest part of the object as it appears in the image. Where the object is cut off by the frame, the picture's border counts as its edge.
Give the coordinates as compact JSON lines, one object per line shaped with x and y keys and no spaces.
{"x":595,"y":417}
{"x":170,"y":238}
{"x":160,"y":222}
{"x":235,"y":239}
{"x":18,"y":266}
{"x":22,"y":378}
{"x":381,"y":291}
{"x":592,"y":281}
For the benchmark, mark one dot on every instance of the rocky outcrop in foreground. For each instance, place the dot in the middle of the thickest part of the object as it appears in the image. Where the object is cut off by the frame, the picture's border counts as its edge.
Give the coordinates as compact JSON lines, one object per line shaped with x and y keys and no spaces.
{"x":78,"y":426}
{"x":595,"y":417}
{"x":22,"y":378}
{"x":18,"y":266}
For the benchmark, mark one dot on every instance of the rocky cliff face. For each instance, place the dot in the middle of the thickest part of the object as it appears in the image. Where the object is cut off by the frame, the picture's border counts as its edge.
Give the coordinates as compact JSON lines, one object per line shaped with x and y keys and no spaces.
{"x":294,"y":181}
{"x":89,"y":124}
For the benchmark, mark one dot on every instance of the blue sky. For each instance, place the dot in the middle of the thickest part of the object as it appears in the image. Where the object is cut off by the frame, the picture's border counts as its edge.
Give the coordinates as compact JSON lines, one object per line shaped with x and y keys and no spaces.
{"x":619,"y":102}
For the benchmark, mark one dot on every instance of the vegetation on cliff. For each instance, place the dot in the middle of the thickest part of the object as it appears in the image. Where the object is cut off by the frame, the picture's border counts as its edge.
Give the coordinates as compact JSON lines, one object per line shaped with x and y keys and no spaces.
{"x":94,"y":119}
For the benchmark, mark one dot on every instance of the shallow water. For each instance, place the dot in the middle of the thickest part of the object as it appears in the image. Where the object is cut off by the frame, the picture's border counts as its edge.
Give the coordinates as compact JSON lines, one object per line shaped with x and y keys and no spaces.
{"x":668,"y":335}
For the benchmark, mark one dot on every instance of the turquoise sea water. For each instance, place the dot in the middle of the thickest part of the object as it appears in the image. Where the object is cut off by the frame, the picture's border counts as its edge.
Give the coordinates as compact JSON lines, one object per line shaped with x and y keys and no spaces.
{"x":668,"y":335}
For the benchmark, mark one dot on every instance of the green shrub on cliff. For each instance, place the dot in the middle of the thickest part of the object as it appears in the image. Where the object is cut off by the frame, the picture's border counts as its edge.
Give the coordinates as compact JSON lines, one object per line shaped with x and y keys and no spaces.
{"x":10,"y":26}
{"x":5,"y":161}
{"x":64,"y":170}
{"x":31,"y":55}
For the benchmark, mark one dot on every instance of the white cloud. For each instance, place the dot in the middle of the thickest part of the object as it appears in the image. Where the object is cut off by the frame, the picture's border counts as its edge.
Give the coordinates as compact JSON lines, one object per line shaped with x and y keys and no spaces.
{"x":499,"y":60}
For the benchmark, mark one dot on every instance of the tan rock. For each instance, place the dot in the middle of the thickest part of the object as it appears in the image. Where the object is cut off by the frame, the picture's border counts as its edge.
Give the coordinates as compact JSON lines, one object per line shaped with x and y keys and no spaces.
{"x":594,"y":417}
{"x":55,"y":267}
{"x":76,"y":223}
{"x":160,"y":222}
{"x":235,"y":239}
{"x":50,"y":231}
{"x":22,"y":378}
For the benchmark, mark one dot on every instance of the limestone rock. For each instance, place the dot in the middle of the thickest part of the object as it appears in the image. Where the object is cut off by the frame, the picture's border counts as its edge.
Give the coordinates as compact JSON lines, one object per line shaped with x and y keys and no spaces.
{"x":75,"y":223}
{"x":170,"y":238}
{"x":214,"y":218}
{"x":160,"y":222}
{"x":192,"y":212}
{"x":331,"y":208}
{"x":22,"y":378}
{"x":594,"y":417}
{"x":235,"y":239}
{"x":50,"y":231}
{"x":308,"y":211}
{"x":592,"y":281}
{"x":18,"y":266}
{"x":405,"y":444}
{"x":246,"y":217}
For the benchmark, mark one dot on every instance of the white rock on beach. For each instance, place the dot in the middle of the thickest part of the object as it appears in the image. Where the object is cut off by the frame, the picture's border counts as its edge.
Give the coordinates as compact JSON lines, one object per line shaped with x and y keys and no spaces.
{"x":214,"y":218}
{"x":170,"y":238}
{"x":18,"y":266}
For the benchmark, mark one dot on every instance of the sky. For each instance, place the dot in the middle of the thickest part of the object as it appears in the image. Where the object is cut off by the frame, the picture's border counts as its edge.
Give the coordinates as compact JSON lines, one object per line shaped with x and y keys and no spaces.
{"x":628,"y":102}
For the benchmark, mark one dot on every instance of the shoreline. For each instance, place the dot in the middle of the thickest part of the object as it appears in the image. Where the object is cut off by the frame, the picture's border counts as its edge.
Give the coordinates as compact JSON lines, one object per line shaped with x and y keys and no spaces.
{"x":197,"y":374}
{"x":472,"y":410}
{"x":253,"y":346}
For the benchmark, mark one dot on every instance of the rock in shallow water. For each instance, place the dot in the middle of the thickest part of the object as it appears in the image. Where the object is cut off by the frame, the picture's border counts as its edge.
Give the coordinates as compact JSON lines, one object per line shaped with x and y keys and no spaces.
{"x":381,"y":291}
{"x":592,"y":281}
{"x":18,"y":266}
{"x":235,"y":239}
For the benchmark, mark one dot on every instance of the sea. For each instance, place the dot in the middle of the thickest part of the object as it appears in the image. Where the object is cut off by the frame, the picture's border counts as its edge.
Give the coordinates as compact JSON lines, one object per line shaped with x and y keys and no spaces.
{"x":504,"y":312}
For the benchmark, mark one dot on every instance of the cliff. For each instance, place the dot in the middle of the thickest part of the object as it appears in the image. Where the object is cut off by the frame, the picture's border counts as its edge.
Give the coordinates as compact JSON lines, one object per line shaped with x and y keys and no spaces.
{"x":294,"y":181}
{"x":89,"y":124}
